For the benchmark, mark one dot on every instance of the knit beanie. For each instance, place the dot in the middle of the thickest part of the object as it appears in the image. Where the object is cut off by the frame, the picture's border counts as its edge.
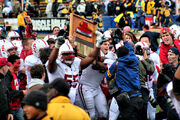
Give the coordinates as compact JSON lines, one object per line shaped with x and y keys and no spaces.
{"x":38,"y":99}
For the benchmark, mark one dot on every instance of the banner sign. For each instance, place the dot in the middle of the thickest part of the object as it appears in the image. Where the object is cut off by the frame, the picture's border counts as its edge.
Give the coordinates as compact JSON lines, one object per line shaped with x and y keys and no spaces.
{"x":39,"y":24}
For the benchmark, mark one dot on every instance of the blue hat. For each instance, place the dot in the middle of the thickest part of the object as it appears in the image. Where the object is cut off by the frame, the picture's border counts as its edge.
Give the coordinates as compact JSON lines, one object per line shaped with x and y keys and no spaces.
{"x":174,"y":50}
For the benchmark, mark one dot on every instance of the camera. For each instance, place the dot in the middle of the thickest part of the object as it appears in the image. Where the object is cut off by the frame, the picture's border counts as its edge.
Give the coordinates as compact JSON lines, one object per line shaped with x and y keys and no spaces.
{"x":139,"y":50}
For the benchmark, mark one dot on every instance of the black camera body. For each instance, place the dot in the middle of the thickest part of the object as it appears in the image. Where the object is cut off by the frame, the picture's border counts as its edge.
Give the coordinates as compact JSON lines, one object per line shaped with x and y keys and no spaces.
{"x":139,"y":50}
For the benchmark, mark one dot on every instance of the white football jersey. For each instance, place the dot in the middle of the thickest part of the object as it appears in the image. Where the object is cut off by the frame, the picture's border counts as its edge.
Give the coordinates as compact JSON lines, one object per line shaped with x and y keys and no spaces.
{"x":30,"y":61}
{"x":93,"y":78}
{"x":70,"y":74}
{"x":155,"y":58}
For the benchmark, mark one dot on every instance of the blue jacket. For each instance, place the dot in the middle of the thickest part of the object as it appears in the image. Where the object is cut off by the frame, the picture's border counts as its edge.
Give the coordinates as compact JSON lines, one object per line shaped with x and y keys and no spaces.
{"x":127,"y":76}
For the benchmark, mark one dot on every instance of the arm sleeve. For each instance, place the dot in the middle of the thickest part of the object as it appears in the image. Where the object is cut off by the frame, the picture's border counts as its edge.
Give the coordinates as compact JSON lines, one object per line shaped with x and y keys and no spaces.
{"x":12,"y":93}
{"x":149,"y":65}
{"x":163,"y":56}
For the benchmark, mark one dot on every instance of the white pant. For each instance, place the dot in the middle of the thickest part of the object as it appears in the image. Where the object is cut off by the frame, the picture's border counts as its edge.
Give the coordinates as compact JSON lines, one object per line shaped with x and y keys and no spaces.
{"x":92,"y":100}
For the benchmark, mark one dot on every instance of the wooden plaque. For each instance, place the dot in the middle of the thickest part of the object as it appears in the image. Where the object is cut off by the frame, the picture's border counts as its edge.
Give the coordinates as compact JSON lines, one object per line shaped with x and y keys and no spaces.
{"x":85,"y":33}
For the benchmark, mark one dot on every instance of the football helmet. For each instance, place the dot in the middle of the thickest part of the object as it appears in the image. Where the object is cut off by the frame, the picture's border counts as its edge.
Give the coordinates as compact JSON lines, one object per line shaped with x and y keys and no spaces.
{"x":175,"y":30}
{"x":18,"y":44}
{"x":13,"y":36}
{"x":6,"y":47}
{"x":66,"y":53}
{"x":49,"y":36}
{"x":37,"y":45}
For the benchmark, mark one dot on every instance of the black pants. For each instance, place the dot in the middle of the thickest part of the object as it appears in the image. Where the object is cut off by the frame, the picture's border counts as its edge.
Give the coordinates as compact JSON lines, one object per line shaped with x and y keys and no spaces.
{"x":21,"y":29}
{"x":133,"y":111}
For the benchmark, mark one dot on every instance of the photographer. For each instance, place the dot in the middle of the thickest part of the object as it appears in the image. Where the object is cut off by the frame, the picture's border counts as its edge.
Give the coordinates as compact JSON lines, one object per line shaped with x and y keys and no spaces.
{"x":127,"y":80}
{"x":147,"y":70}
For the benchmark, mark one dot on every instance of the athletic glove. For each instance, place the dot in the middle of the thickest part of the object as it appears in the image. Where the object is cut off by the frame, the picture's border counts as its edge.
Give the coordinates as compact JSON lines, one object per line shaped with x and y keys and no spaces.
{"x":59,"y":41}
{"x":99,"y":39}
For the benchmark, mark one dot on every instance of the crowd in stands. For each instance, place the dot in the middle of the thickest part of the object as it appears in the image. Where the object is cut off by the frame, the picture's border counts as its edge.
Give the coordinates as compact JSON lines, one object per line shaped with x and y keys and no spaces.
{"x":161,"y":11}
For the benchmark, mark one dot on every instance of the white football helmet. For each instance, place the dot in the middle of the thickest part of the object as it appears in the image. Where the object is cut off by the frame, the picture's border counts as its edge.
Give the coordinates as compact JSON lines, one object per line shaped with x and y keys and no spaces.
{"x":175,"y":30}
{"x":13,"y":34}
{"x":49,"y":36}
{"x":66,"y":53}
{"x":5,"y":47}
{"x":18,"y":44}
{"x":37,"y":45}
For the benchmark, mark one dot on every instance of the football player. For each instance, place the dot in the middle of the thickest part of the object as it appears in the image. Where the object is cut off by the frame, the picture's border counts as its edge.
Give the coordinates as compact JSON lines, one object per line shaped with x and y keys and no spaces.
{"x":63,"y":63}
{"x":34,"y":59}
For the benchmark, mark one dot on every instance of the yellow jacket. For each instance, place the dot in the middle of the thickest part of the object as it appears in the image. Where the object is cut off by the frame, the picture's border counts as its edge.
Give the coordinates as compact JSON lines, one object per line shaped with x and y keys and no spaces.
{"x":60,"y":108}
{"x":150,"y":7}
{"x":142,"y":5}
{"x":21,"y":20}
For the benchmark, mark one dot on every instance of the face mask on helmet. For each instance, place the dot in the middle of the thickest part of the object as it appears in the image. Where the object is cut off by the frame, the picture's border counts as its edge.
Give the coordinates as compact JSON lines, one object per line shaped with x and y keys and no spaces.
{"x":66,"y":53}
{"x":8,"y":48}
{"x":68,"y":58}
{"x":13,"y":35}
{"x":37,"y":45}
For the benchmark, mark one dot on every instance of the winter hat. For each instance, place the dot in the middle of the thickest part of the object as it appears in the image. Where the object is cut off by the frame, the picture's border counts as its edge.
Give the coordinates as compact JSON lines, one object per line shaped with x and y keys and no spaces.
{"x":122,"y":51}
{"x":61,"y":86}
{"x":38,"y":99}
{"x":174,"y":50}
{"x":3,"y":62}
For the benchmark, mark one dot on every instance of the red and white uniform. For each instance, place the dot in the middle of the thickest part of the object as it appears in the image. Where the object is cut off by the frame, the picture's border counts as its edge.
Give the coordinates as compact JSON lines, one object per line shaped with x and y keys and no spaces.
{"x":90,"y":92}
{"x":34,"y":59}
{"x":70,"y":74}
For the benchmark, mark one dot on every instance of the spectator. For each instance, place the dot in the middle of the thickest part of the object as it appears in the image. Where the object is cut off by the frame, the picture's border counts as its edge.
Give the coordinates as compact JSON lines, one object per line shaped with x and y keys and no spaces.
{"x":101,"y":8}
{"x":168,"y":42}
{"x":125,"y":20}
{"x":140,"y":18}
{"x":49,"y":9}
{"x":167,"y":14}
{"x":35,"y":106}
{"x":127,"y":5}
{"x":89,"y":8}
{"x":21,"y":24}
{"x":16,"y":8}
{"x":56,"y":30}
{"x":5,"y":109}
{"x":150,"y":7}
{"x":60,"y":106}
{"x":162,"y":9}
{"x":111,"y":8}
{"x":37,"y":77}
{"x":7,"y":11}
{"x":118,"y":8}
{"x":140,"y":5}
{"x":27,"y":48}
{"x":29,"y":29}
{"x":60,"y":9}
{"x":173,"y":58}
{"x":154,"y":36}
{"x":54,"y":8}
{"x":13,"y":86}
{"x":81,"y":8}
